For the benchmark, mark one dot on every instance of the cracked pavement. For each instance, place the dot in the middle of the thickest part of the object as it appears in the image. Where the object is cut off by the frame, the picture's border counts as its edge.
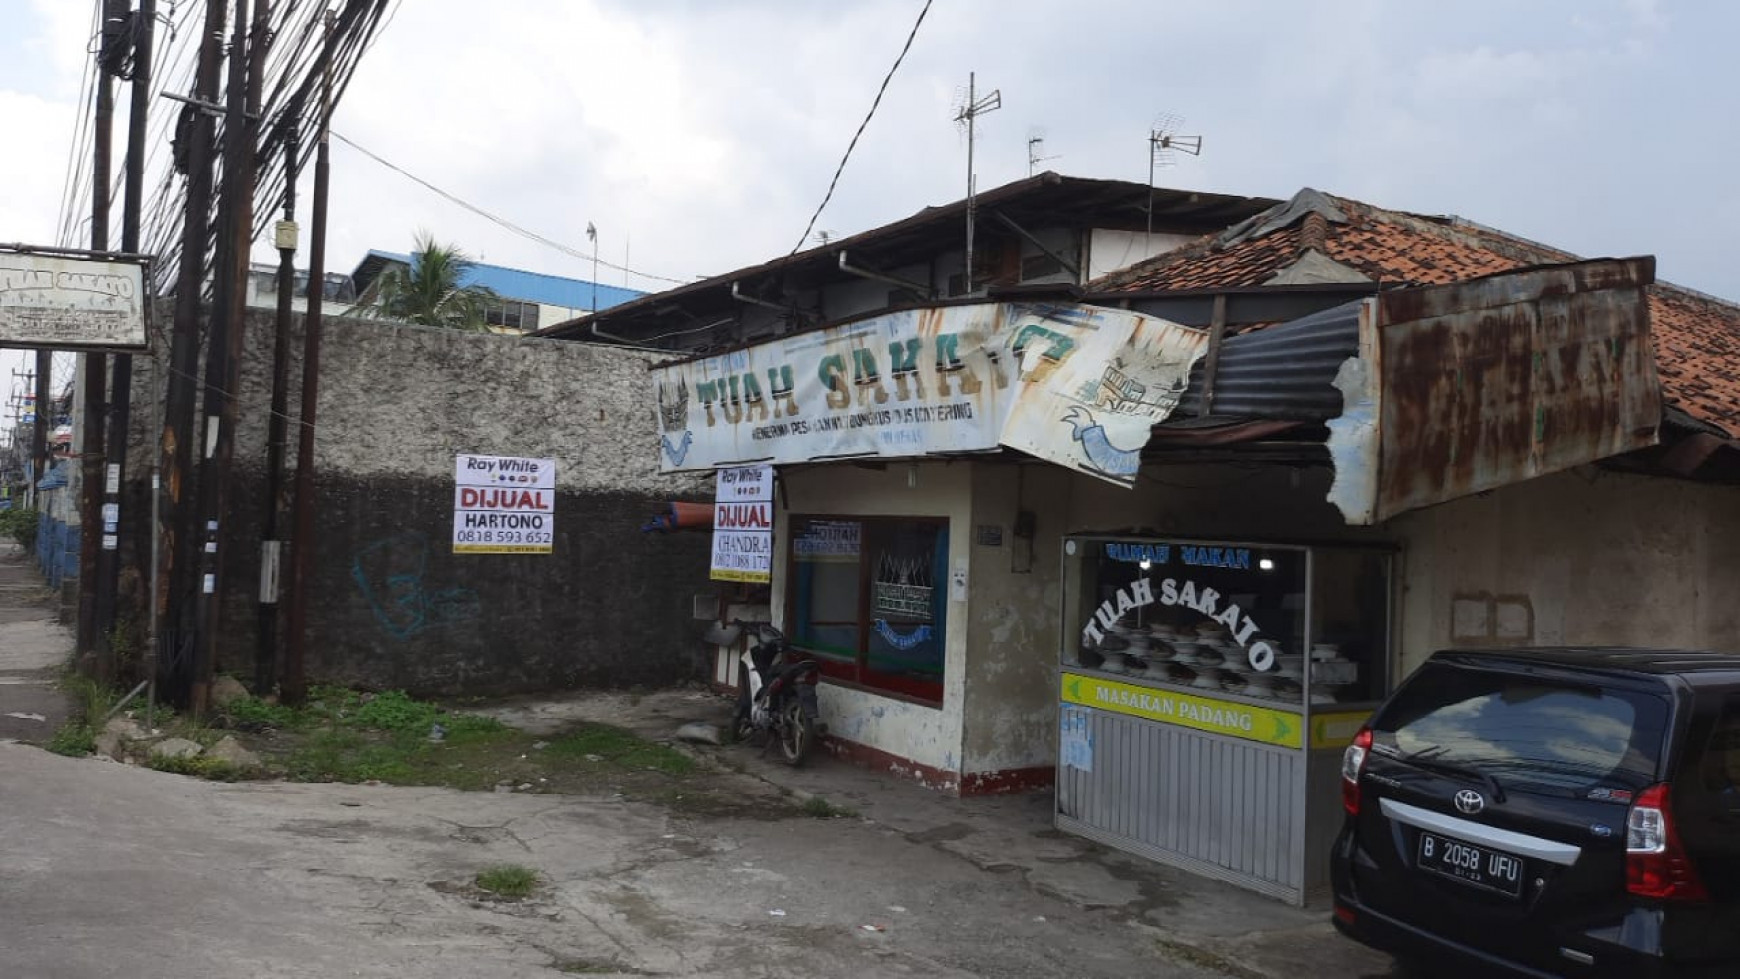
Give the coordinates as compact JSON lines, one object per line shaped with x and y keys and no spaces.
{"x":116,"y":871}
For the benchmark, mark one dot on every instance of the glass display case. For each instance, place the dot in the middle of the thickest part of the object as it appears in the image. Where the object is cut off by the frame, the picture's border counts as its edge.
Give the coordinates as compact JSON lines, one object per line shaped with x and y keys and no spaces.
{"x":1258,"y":623}
{"x":1206,"y":691}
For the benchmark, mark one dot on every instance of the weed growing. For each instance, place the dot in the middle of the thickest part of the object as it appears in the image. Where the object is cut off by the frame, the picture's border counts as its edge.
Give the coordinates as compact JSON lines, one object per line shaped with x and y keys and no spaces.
{"x":817,"y":807}
{"x":508,"y":880}
{"x":620,"y":748}
{"x":211,"y":769}
{"x":91,"y":701}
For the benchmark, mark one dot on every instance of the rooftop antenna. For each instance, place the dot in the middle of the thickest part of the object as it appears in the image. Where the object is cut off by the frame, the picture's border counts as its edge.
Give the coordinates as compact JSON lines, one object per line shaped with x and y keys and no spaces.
{"x":968,"y":116}
{"x":1164,"y":144}
{"x":1035,"y":151}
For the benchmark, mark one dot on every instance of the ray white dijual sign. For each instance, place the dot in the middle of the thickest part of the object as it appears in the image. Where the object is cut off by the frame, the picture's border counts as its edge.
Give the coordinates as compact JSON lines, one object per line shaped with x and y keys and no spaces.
{"x":1080,"y":386}
{"x":504,"y":505}
{"x":64,"y":301}
{"x":743,"y":525}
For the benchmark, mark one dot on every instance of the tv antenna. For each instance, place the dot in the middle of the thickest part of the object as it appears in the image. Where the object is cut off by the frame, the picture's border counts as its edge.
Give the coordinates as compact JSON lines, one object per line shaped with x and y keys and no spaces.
{"x":1036,"y":150}
{"x":1164,"y":144}
{"x":968,"y":116}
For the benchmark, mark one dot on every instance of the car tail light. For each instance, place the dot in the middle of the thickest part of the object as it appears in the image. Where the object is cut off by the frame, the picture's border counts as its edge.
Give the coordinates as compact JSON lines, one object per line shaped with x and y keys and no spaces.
{"x":1656,"y":863}
{"x":1352,"y":765}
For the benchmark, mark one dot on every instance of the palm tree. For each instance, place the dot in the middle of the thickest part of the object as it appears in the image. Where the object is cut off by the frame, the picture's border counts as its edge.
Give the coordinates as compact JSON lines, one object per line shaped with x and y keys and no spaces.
{"x":428,"y":291}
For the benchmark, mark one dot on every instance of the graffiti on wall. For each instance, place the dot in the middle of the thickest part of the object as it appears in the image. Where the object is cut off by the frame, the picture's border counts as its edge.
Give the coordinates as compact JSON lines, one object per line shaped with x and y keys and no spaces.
{"x":392,"y":574}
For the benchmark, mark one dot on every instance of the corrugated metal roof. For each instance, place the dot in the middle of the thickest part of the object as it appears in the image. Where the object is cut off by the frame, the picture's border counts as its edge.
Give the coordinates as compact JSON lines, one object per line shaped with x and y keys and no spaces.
{"x":1284,"y":372}
{"x":528,"y":287}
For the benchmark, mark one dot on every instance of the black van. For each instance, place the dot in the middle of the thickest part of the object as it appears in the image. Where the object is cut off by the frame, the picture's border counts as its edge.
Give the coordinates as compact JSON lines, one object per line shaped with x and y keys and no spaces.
{"x":1549,"y":812}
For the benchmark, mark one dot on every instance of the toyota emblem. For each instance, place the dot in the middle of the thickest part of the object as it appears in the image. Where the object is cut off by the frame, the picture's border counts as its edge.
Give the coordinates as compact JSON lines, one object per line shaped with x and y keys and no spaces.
{"x":1470,"y":802}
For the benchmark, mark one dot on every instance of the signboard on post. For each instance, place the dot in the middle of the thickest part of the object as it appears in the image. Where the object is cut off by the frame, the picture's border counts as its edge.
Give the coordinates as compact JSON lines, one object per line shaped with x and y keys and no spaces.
{"x":743,"y":525}
{"x":69,"y":300}
{"x":504,"y":505}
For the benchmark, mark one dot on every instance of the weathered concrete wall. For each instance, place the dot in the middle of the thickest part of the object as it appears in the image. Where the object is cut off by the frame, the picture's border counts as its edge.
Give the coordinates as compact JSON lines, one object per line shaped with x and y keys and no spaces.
{"x":391,"y":605}
{"x":1011,"y":680}
{"x":924,"y":734}
{"x":1582,"y":557}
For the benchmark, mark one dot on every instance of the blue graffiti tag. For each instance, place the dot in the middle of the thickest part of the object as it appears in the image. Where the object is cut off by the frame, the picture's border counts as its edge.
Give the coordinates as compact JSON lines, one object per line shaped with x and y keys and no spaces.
{"x":390,"y":573}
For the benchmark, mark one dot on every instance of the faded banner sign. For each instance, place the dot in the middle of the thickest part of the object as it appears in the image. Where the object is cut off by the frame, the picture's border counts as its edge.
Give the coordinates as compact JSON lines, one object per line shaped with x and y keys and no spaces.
{"x":1467,"y":387}
{"x":1079,"y":386}
{"x":69,"y":303}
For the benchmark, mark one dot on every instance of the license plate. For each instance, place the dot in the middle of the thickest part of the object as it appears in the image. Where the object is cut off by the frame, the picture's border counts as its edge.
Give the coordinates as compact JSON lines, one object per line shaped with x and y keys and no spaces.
{"x":1477,"y":866}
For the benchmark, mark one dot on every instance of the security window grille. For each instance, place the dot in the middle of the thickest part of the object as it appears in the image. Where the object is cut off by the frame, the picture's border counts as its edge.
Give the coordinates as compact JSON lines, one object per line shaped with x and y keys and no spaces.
{"x":868,"y":597}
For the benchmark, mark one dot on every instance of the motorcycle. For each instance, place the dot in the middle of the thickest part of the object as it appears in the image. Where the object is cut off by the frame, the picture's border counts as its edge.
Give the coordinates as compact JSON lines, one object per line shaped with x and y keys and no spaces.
{"x":776,"y":694}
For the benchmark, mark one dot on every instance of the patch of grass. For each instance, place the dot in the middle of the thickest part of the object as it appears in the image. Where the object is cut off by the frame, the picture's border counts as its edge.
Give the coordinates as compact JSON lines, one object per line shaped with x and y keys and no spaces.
{"x":508,"y":880}
{"x":620,"y":748}
{"x":395,"y":710}
{"x":91,"y":700}
{"x":75,"y":739}
{"x":349,"y":756}
{"x":211,"y":769}
{"x":253,"y":710}
{"x":817,"y":807}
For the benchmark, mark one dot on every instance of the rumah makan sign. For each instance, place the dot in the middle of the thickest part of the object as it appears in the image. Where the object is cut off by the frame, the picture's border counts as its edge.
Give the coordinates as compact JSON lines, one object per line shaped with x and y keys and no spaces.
{"x":1080,"y":386}
{"x":52,"y":298}
{"x":743,"y":525}
{"x":504,"y":505}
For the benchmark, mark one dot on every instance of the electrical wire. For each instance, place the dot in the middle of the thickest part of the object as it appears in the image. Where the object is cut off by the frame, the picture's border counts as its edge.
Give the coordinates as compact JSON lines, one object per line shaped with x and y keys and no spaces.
{"x":874,"y":104}
{"x":496,"y":219}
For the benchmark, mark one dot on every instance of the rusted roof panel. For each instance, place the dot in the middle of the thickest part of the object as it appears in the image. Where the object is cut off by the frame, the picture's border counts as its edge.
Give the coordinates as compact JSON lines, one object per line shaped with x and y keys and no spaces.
{"x":1497,"y":380}
{"x":1697,"y":337}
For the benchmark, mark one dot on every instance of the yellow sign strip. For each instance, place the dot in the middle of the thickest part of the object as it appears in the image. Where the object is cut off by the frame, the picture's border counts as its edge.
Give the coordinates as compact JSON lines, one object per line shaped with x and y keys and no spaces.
{"x":502,"y":549}
{"x":1252,"y":723}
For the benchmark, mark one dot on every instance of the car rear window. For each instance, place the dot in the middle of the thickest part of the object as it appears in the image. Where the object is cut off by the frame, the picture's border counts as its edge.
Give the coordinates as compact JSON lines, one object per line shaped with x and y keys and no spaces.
{"x":1527,"y":731}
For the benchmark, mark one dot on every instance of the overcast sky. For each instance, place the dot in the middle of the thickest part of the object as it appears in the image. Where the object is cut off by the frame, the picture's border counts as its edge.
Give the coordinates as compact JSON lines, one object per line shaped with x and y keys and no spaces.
{"x":697,"y":136}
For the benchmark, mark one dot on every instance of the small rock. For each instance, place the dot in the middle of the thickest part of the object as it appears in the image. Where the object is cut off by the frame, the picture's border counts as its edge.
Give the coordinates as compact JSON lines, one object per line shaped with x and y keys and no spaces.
{"x":124,"y":728}
{"x":109,"y":746}
{"x":504,"y":789}
{"x":226,"y":690}
{"x":594,"y":758}
{"x":540,"y":745}
{"x":523,"y":786}
{"x":175,"y":748}
{"x":230,"y":750}
{"x":701,"y":733}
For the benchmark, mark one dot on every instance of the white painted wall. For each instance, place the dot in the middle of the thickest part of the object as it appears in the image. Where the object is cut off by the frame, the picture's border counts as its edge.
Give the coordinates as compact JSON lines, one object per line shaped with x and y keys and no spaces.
{"x":1109,"y":251}
{"x":927,"y":735}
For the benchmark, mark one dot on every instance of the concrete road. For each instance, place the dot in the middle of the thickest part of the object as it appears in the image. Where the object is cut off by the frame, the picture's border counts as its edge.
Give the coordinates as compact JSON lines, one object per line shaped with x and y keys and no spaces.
{"x":114,"y":871}
{"x":33,"y":647}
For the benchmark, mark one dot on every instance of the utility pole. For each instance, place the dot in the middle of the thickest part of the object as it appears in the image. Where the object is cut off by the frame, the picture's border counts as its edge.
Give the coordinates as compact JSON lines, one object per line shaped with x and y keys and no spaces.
{"x":969,"y":115}
{"x":176,"y":558}
{"x":121,"y":384}
{"x":271,"y":546}
{"x":229,"y":329}
{"x":44,"y":421}
{"x":295,"y":686}
{"x":94,"y":366}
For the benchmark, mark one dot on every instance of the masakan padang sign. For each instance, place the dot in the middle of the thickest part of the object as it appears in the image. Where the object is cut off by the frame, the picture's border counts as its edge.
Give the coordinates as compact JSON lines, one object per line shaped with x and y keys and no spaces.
{"x":1080,"y":386}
